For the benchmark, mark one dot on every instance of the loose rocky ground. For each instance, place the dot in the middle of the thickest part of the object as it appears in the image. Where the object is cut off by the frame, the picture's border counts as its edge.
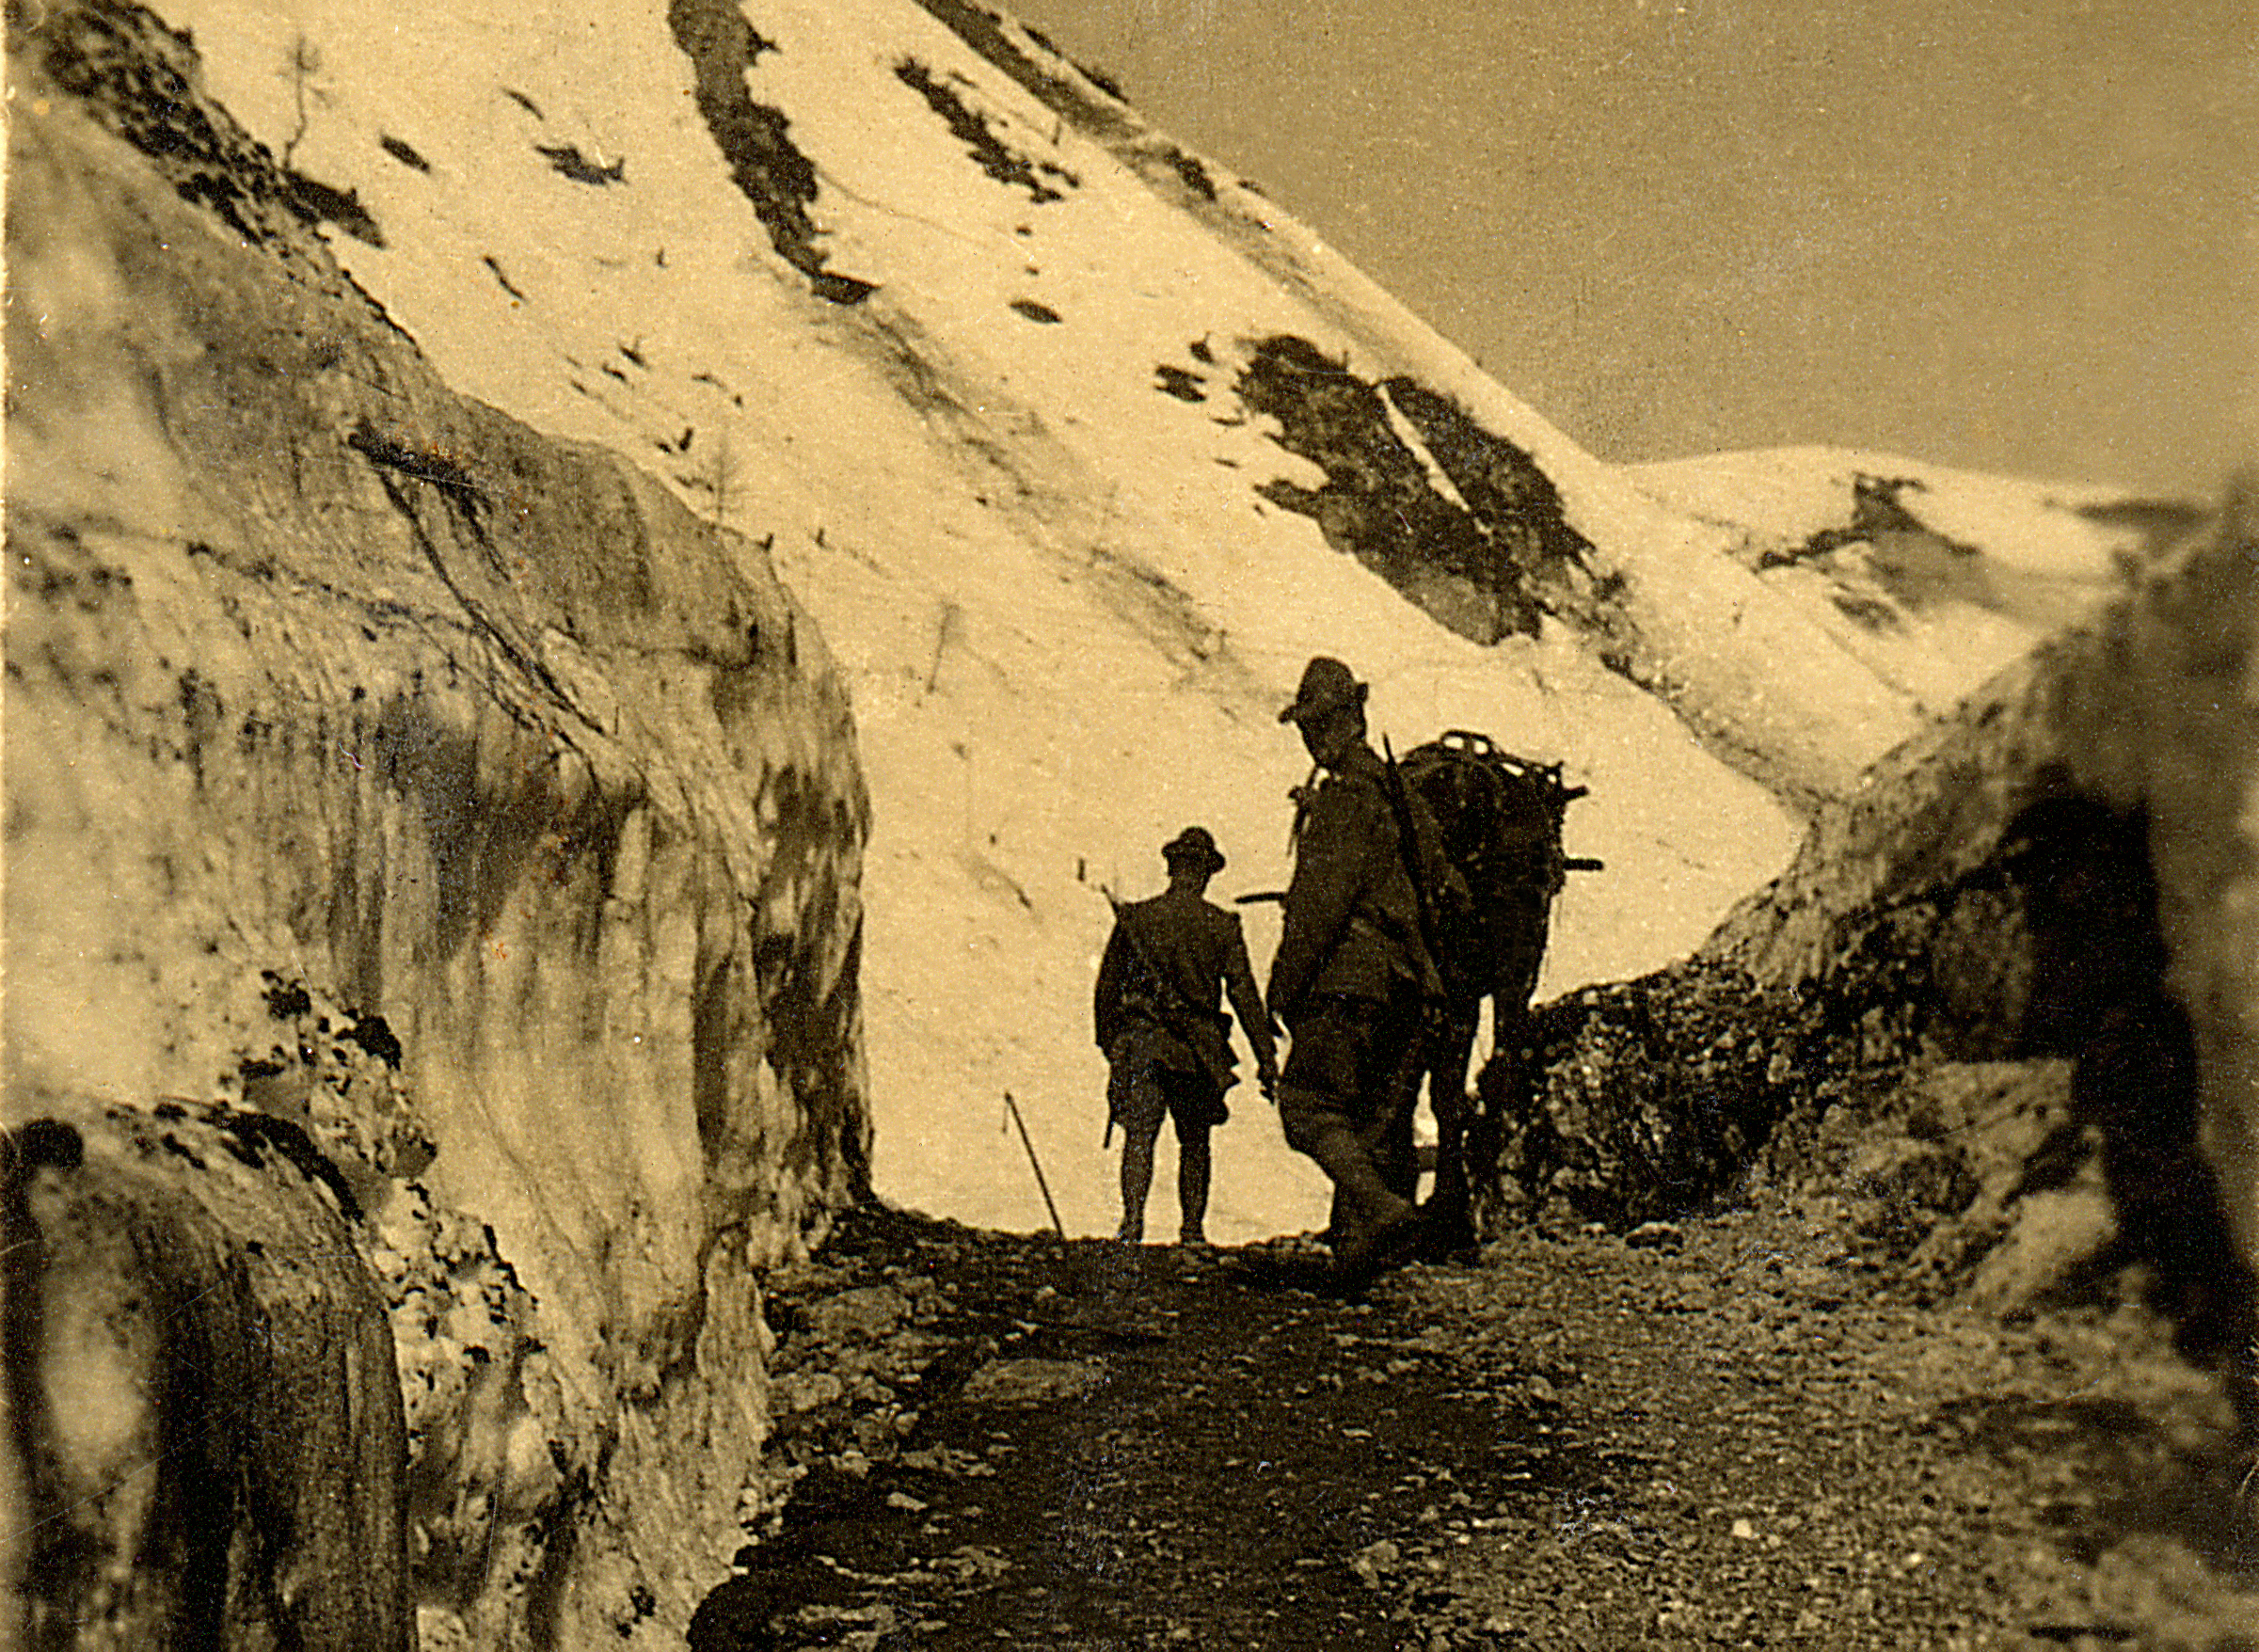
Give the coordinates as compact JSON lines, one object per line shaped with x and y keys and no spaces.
{"x":1744,"y":1430}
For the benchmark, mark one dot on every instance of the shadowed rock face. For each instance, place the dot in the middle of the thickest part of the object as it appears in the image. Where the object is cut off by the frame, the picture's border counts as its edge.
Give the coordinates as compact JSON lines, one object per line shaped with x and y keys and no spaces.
{"x":200,"y":1376}
{"x":2055,"y":872}
{"x":441,"y":800}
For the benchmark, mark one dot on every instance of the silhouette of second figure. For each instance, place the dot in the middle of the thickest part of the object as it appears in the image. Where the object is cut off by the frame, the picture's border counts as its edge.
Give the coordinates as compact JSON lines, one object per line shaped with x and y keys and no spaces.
{"x":1166,"y":1041}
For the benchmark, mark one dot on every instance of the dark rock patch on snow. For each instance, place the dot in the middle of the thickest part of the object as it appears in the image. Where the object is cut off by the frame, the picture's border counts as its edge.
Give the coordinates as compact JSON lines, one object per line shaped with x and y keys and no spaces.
{"x":567,"y":160}
{"x":769,"y":169}
{"x":1878,"y":509}
{"x":403,"y":151}
{"x":322,"y":203}
{"x":1466,"y":563}
{"x":1886,"y":562}
{"x":1190,"y":171}
{"x":501,"y":280}
{"x":990,"y":153}
{"x":1514,"y":500}
{"x":1066,"y":96}
{"x":142,"y":81}
{"x":1175,"y":381}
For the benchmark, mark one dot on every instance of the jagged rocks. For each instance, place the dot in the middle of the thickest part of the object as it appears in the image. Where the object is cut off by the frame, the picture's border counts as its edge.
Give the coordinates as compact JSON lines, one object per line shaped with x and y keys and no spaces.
{"x":1648,"y":1096}
{"x":2044,"y":886}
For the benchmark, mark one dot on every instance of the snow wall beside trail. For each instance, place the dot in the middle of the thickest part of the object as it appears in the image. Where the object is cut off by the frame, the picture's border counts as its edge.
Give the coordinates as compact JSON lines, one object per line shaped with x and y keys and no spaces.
{"x":433,"y":862}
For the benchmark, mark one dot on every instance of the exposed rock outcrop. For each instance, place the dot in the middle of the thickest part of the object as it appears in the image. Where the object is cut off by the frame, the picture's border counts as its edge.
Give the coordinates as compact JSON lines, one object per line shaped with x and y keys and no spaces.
{"x":442,"y":799}
{"x":2058,"y":873}
{"x":201,"y":1366}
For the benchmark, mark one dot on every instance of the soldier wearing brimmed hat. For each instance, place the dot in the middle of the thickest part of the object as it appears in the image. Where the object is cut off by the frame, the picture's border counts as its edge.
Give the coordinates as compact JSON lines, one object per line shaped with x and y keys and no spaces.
{"x":1168,"y":1045}
{"x":1352,"y":979}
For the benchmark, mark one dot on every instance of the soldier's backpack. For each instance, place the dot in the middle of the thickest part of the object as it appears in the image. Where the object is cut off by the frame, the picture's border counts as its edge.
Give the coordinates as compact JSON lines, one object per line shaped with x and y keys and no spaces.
{"x":1499,"y":818}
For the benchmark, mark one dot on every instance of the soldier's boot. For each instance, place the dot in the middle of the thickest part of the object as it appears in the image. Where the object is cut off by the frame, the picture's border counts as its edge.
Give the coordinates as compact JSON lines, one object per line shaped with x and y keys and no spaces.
{"x":1373,"y":1209}
{"x":1365,"y":1210}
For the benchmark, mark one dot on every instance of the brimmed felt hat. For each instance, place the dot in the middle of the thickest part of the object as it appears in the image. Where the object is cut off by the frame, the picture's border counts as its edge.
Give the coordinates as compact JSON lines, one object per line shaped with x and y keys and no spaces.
{"x":1193,"y":844}
{"x":1327,"y":686}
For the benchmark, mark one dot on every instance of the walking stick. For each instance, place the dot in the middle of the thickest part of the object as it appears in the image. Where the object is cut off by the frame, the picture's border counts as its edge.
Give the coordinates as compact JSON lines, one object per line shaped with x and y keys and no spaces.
{"x":1042,"y":1187}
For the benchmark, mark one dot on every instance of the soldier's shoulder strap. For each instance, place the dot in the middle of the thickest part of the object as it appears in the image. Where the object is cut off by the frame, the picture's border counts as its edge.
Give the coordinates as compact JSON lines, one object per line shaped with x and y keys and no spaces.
{"x":1408,"y":848}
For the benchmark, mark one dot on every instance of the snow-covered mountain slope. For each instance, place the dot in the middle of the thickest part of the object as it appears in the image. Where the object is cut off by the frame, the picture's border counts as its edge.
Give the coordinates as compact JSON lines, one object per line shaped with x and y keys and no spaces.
{"x":1930,"y":576}
{"x":1077,"y":448}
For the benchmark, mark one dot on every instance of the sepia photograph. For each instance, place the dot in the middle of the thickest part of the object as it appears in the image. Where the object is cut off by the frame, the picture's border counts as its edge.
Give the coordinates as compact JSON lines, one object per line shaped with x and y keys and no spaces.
{"x":1130,"y":824}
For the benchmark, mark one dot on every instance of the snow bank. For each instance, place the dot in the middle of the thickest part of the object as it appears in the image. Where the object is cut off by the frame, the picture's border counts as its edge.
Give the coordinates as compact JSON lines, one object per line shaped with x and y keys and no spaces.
{"x":443,"y":804}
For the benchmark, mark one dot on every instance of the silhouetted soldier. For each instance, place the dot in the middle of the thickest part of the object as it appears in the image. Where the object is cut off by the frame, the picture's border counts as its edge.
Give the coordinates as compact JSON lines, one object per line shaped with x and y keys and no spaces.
{"x":1168,"y":1043}
{"x":1353,"y":979}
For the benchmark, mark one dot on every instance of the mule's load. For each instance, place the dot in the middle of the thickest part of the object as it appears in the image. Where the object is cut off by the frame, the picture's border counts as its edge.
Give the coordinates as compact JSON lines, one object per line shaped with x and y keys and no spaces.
{"x":1499,"y":817}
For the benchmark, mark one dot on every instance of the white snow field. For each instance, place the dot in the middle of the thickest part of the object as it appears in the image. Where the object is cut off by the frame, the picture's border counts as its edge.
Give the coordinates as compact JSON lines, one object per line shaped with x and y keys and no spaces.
{"x":1067,"y":614}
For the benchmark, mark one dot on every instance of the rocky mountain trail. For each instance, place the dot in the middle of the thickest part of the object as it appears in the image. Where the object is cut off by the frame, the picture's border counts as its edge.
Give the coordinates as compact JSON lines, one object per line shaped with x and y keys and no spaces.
{"x":1749,"y":1427}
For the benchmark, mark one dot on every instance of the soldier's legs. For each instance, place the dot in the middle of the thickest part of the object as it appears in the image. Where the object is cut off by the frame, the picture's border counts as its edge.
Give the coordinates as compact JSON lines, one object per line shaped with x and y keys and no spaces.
{"x":1391,"y":1131}
{"x":1192,"y":1107}
{"x":1136,"y":1178}
{"x":1135,"y":1093}
{"x":1315,"y":1126}
{"x":1192,"y":1183}
{"x":1329,"y":1088}
{"x":1389,"y":1103}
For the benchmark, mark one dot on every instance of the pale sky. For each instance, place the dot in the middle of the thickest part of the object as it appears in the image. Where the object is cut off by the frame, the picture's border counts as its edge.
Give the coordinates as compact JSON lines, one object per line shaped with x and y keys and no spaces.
{"x":2015,"y":236}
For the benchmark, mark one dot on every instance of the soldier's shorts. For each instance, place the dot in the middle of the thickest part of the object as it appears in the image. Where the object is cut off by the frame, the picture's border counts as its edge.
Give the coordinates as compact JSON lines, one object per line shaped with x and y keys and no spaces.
{"x":1141,"y":1092}
{"x":1345,"y":1054}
